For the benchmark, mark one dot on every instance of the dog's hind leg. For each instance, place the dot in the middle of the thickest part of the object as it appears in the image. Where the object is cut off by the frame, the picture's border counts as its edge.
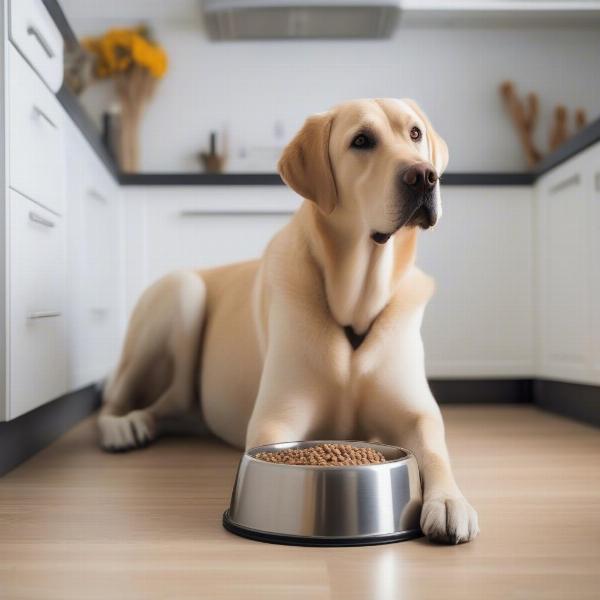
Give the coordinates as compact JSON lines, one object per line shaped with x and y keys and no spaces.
{"x":155,"y":379}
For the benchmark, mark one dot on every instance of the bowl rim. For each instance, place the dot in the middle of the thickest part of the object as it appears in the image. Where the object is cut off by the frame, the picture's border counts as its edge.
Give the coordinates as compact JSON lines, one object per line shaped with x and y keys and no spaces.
{"x":408,"y":454}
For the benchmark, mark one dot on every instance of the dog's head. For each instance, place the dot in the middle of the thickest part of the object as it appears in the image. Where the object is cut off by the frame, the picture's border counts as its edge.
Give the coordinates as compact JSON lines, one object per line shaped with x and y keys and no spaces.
{"x":380,"y":159}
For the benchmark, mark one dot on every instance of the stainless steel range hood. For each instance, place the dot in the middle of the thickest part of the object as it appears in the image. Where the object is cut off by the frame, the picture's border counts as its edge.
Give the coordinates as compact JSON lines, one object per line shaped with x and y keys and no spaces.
{"x":300,"y":19}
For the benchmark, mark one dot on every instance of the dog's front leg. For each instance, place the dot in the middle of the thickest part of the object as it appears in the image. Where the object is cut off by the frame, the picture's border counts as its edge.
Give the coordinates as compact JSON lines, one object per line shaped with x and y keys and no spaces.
{"x":289,"y":405}
{"x":446,"y":516}
{"x":300,"y":371}
{"x":281,"y":414}
{"x":400,"y":409}
{"x":269,"y":427}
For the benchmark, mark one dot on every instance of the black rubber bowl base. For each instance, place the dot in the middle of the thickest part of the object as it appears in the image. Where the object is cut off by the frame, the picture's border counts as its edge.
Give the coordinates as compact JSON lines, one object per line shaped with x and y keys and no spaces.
{"x":330,"y":542}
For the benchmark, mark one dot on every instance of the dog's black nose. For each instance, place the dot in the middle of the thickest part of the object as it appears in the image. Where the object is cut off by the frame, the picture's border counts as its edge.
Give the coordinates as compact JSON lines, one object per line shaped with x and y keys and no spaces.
{"x":420,"y":178}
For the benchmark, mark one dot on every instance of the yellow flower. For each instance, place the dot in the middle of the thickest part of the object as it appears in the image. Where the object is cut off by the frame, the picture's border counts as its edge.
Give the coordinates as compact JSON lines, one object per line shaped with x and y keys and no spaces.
{"x":118,"y":50}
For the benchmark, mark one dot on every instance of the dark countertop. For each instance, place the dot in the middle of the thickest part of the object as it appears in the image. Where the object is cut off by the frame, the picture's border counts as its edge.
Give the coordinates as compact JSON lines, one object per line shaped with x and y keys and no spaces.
{"x":487,"y":179}
{"x":587,"y":137}
{"x":579,"y":142}
{"x":88,"y":128}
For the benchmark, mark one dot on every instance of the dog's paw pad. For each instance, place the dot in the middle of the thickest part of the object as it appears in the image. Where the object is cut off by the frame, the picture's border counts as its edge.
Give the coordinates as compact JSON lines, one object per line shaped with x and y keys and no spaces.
{"x":449,"y":520}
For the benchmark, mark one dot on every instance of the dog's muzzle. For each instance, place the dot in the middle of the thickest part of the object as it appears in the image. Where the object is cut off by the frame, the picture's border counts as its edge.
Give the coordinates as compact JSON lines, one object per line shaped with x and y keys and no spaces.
{"x":417,"y":198}
{"x":418,"y":188}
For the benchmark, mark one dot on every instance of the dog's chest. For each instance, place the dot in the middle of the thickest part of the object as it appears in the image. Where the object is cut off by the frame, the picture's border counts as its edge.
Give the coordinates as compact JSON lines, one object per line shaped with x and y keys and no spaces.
{"x":344,"y":403}
{"x":343,"y":422}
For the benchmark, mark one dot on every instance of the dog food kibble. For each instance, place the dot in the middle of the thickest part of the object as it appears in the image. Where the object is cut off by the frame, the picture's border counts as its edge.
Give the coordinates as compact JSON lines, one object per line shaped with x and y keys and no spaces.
{"x":324,"y":455}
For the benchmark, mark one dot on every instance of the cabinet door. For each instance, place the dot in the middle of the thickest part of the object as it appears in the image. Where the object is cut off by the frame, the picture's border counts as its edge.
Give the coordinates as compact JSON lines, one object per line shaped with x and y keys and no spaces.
{"x":36,"y":144}
{"x":564,"y":276}
{"x":94,"y":270}
{"x":35,"y":34}
{"x":479,"y":321}
{"x":170,"y":228}
{"x":37,"y":370}
{"x":594,"y":270}
{"x":101,"y":249}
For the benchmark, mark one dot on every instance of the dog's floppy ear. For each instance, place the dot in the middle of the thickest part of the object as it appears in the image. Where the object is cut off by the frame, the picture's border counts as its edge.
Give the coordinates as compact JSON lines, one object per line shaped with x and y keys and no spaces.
{"x":305,"y":164}
{"x":438,"y":149}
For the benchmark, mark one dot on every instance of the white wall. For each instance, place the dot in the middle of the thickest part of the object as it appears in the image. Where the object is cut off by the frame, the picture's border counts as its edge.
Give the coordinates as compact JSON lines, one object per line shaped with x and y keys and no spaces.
{"x":248,"y":87}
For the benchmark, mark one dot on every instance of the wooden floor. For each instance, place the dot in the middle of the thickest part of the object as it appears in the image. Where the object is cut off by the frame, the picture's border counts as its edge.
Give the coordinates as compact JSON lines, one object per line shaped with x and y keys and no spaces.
{"x":76,"y":523}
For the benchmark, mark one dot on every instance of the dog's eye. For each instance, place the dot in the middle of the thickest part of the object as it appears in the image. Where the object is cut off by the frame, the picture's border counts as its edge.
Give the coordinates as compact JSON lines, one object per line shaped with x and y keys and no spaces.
{"x":415,"y":134}
{"x":362,"y":142}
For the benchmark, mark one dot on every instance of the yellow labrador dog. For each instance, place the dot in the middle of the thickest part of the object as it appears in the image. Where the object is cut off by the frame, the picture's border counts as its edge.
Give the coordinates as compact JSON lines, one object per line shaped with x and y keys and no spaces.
{"x":320,"y":338}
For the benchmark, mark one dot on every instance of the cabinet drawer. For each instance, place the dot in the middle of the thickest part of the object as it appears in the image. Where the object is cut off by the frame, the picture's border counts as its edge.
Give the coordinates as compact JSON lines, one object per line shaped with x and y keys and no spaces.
{"x":35,"y":129}
{"x":185,"y":233}
{"x":33,"y":31}
{"x":37,"y":300}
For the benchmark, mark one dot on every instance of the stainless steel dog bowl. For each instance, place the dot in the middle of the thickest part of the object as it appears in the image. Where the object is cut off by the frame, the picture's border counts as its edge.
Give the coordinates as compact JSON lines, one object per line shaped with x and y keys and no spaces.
{"x":326,"y":506}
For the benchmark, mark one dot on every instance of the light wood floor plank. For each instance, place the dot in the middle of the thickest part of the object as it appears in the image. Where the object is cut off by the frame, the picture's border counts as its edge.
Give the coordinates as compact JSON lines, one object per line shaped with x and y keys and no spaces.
{"x":76,"y":523}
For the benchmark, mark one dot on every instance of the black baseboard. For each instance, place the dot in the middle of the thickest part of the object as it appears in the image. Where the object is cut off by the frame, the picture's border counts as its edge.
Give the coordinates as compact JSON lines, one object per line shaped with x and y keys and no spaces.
{"x":575,"y":400}
{"x":481,"y":391}
{"x":24,"y":436}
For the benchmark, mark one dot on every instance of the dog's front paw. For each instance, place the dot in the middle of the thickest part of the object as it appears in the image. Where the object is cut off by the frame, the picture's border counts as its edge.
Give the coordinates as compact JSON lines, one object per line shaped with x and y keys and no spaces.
{"x":449,"y":520}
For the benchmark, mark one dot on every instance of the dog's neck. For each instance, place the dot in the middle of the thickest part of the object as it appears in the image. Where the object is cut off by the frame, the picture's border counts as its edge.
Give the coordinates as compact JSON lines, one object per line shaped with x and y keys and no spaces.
{"x":359,"y":275}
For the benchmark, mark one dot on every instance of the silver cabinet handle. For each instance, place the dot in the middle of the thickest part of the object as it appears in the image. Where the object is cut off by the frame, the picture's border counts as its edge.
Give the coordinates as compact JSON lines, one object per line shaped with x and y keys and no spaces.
{"x":93,"y":193}
{"x":597,"y":178}
{"x":44,"y":314}
{"x":99,"y":311}
{"x":33,"y":216}
{"x":565,"y":183}
{"x":38,"y":111}
{"x":37,"y":34}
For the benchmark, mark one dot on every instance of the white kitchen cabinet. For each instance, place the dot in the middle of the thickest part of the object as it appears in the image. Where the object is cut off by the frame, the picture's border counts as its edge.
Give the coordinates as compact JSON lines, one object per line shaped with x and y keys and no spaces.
{"x":95,"y":276}
{"x":35,"y":34}
{"x":568,"y":295}
{"x":478,"y":324}
{"x":60,"y":274}
{"x":34,"y":303}
{"x":479,"y":321}
{"x":37,"y":301}
{"x":173,"y":228}
{"x":36,"y":155}
{"x":593,"y":168}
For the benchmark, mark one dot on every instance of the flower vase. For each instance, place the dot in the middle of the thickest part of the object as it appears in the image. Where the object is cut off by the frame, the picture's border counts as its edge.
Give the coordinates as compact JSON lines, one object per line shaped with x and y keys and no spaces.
{"x":134,"y":88}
